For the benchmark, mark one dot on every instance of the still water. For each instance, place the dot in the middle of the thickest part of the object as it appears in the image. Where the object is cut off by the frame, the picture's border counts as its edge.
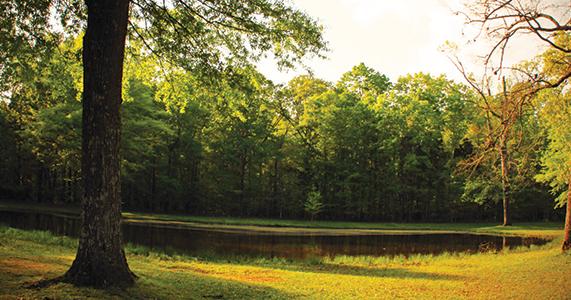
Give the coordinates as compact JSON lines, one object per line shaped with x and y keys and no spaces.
{"x":191,"y":241}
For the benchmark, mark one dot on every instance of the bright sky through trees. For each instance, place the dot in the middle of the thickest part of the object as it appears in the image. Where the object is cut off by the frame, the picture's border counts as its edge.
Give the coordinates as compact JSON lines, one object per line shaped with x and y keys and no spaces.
{"x":395,"y":38}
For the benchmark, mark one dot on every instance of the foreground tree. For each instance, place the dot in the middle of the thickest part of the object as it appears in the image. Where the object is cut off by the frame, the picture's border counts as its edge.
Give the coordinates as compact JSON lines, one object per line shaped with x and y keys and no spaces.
{"x":202,"y":36}
{"x":555,"y":111}
{"x":556,"y":160}
{"x":100,"y":259}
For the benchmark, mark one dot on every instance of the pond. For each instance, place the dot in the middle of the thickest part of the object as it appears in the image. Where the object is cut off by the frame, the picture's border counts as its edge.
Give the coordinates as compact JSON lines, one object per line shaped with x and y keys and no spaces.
{"x":200,"y":241}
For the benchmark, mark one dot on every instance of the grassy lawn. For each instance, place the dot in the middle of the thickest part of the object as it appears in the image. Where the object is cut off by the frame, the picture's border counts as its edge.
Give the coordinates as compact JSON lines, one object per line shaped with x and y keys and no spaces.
{"x":538,"y":229}
{"x":536,"y":273}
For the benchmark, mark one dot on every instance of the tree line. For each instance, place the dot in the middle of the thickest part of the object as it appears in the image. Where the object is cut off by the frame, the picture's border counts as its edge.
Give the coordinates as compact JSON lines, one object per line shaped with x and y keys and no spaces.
{"x":362,"y":148}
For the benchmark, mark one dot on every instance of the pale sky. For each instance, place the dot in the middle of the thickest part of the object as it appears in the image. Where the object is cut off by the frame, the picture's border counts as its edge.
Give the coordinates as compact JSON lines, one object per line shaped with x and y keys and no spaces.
{"x":393,"y":37}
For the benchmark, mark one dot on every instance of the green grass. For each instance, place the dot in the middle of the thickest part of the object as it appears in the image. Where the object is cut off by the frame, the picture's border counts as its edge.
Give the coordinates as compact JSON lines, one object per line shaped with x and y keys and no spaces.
{"x":539,"y":229}
{"x":536,"y":273}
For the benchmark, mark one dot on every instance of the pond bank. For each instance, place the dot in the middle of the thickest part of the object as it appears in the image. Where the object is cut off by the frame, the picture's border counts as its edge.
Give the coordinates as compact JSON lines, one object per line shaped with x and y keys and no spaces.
{"x":301,"y":227}
{"x":536,"y":273}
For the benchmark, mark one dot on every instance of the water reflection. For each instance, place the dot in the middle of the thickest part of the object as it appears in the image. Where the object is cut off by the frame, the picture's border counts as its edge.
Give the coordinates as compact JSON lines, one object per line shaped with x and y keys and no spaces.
{"x":200,"y":241}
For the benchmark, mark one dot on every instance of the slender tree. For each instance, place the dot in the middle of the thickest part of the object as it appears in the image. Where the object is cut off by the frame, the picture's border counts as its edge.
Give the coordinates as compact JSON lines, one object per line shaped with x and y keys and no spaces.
{"x":503,"y":21}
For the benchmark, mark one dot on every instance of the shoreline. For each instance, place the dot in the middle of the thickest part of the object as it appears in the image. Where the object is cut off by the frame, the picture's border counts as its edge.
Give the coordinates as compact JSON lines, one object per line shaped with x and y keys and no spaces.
{"x":546,"y":230}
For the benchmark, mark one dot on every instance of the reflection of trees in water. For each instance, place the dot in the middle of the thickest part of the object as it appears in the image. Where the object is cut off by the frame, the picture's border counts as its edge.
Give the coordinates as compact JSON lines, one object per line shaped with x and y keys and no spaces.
{"x":312,"y":249}
{"x":488,"y":247}
{"x":216,"y":244}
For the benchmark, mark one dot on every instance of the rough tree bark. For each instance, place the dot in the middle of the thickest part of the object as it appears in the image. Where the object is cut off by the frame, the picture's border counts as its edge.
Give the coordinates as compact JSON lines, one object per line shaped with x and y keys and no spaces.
{"x":100,"y":259}
{"x":567,"y":239}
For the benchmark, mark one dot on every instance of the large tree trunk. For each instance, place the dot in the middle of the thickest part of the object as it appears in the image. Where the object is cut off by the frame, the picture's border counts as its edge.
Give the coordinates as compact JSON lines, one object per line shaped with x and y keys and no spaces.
{"x":100,"y":259}
{"x":567,"y":239}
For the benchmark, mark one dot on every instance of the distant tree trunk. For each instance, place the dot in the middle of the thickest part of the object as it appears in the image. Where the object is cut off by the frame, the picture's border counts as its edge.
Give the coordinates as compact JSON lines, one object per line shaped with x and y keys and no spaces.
{"x":274,"y":189}
{"x":567,"y":239}
{"x":242,"y":199}
{"x":506,"y":123}
{"x":154,"y":186}
{"x":40,"y":184}
{"x":506,"y":190}
{"x":100,"y":259}
{"x":505,"y":244}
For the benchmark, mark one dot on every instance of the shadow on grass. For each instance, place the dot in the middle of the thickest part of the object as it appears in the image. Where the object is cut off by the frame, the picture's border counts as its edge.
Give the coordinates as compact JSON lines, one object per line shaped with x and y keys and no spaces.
{"x":27,"y":278}
{"x":193,"y":285}
{"x":367,"y":271}
{"x":319,"y":266}
{"x":307,"y":265}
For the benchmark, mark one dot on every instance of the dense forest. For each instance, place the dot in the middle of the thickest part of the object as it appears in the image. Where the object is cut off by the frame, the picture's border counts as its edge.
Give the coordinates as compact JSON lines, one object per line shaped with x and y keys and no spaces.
{"x":421,"y":148}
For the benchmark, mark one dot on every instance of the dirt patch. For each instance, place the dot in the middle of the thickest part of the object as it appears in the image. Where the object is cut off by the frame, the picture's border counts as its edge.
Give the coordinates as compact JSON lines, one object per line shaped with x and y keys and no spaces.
{"x":192,"y":269}
{"x":253,"y":277}
{"x":18,"y":266}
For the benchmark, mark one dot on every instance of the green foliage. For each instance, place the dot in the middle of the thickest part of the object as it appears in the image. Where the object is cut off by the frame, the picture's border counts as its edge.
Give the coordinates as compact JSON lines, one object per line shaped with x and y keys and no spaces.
{"x":364,"y":82}
{"x":242,"y":146}
{"x":313,"y":203}
{"x":207,"y":37}
{"x":556,"y":159}
{"x":555,"y":114}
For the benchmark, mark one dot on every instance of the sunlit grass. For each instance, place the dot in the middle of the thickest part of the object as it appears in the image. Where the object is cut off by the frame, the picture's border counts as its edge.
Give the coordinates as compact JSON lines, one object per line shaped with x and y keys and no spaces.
{"x":538,"y":273}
